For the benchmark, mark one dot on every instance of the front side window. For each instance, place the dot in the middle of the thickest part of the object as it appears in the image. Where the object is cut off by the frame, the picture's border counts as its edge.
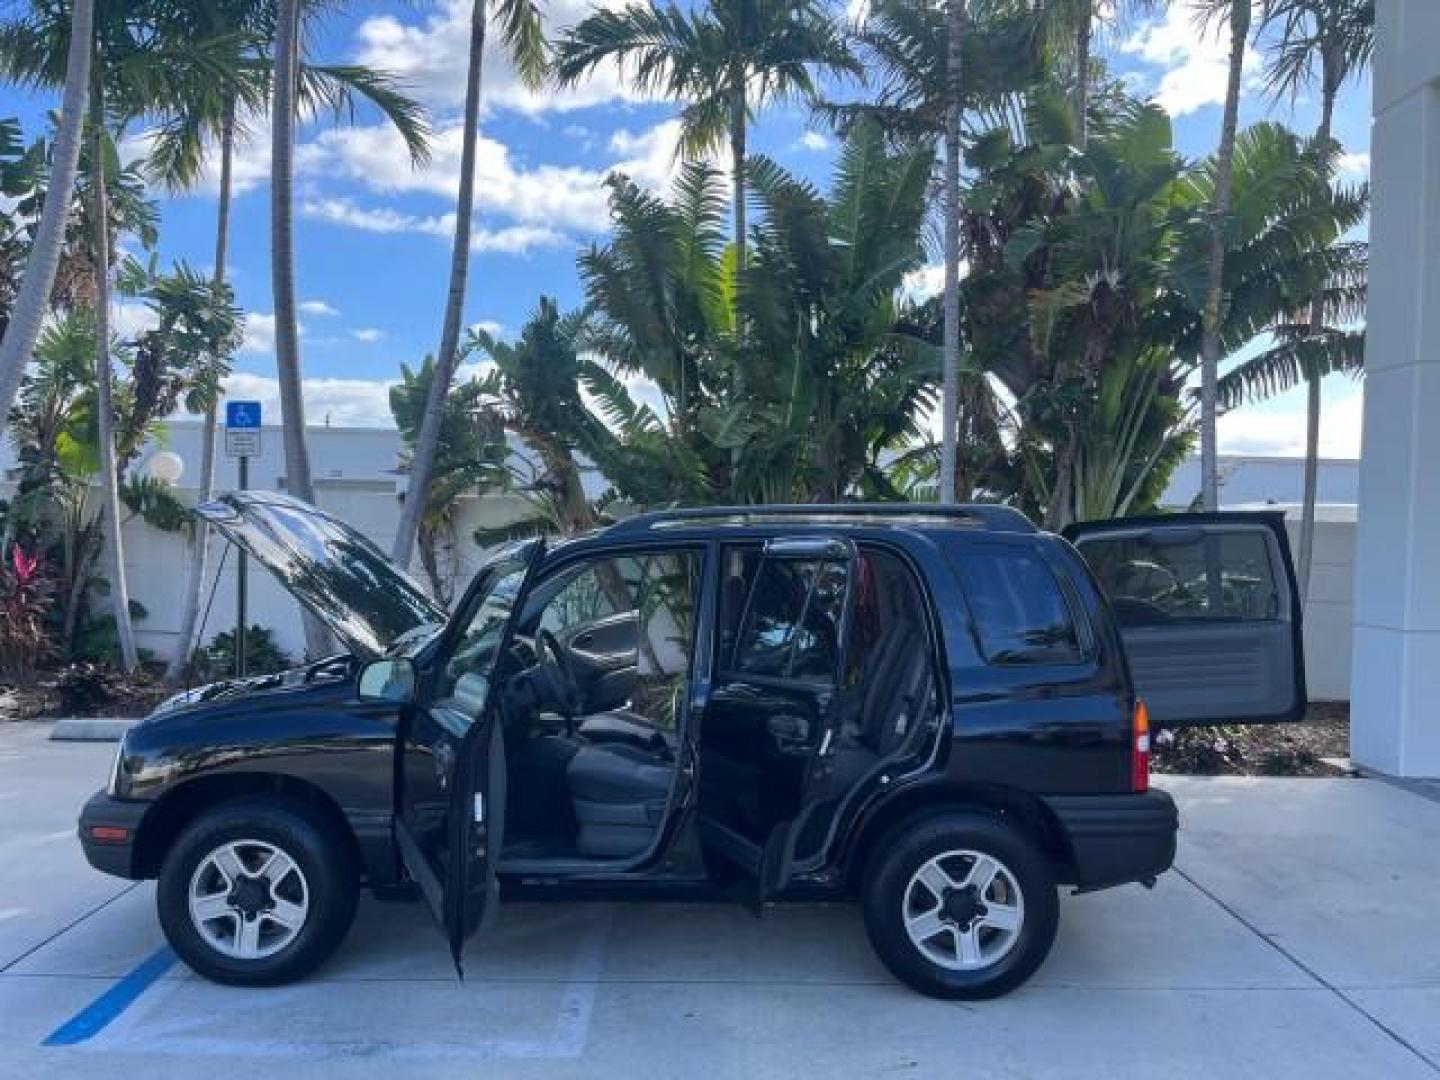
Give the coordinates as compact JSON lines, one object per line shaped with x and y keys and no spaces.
{"x":1183,"y":574}
{"x":464,"y":681}
{"x":1019,"y":612}
{"x":626,"y":628}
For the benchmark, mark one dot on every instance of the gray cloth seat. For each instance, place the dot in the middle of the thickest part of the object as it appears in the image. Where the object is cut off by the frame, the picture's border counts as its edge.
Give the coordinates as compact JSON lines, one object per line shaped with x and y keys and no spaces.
{"x":619,"y":793}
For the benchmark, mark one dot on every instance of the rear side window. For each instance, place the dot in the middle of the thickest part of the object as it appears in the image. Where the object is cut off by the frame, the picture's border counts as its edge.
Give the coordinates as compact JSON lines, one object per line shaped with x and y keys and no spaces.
{"x":1020,"y":613}
{"x":791,"y":623}
{"x":1175,"y":574}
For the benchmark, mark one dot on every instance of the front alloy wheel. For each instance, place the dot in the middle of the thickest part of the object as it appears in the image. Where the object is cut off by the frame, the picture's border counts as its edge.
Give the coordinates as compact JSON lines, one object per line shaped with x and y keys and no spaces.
{"x":258,"y":891}
{"x":248,"y":899}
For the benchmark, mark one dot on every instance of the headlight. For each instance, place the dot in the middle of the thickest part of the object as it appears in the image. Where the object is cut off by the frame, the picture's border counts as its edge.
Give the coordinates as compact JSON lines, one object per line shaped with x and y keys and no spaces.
{"x":113,"y":787}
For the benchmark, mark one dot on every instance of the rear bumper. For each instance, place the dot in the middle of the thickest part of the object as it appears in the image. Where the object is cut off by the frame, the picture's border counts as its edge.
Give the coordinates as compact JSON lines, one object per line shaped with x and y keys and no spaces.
{"x":111,"y":856}
{"x":1115,"y":839}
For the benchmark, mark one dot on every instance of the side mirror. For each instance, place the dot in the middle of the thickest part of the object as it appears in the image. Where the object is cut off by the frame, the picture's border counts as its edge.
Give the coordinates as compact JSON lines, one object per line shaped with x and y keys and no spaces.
{"x":388,"y":680}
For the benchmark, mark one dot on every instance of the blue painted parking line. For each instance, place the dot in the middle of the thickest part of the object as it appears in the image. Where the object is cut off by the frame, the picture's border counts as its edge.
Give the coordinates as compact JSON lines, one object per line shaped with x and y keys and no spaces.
{"x":94,"y":1018}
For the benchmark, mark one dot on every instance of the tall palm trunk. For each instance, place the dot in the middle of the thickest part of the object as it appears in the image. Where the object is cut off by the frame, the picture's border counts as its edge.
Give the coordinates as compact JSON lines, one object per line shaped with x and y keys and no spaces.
{"x":427,"y":442}
{"x":1215,"y":288}
{"x":950,"y":394}
{"x":737,"y":182}
{"x":198,"y":552}
{"x":104,"y":403}
{"x":1084,"y":35}
{"x":737,"y":165}
{"x":1330,"y":79}
{"x":282,"y":275}
{"x":44,"y":258}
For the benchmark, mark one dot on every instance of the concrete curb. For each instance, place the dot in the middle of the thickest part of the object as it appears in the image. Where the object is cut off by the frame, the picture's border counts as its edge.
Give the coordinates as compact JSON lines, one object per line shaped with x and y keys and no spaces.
{"x":91,"y":728}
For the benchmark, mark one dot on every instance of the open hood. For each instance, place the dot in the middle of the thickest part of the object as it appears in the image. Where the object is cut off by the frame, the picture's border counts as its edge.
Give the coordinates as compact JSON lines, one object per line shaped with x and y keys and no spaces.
{"x":364,"y":598}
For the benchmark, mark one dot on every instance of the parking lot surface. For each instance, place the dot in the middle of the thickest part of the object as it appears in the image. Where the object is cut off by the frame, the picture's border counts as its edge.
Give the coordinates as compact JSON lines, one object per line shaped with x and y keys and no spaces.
{"x":1298,"y":936}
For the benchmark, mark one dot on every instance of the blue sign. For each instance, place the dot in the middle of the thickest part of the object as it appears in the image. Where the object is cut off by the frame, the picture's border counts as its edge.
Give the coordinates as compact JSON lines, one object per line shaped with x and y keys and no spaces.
{"x":244,"y":415}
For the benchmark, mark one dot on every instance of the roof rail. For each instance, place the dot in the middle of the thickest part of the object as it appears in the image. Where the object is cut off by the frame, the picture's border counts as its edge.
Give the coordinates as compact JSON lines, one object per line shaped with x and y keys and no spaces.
{"x":991,"y":517}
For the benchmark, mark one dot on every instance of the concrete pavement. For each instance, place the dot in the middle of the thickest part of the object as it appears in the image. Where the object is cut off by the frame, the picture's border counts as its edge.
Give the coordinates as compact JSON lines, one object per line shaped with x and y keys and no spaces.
{"x":1298,"y":937}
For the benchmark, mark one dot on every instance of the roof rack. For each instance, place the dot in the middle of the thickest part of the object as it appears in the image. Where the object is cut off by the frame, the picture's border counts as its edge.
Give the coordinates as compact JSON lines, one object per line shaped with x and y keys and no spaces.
{"x":991,"y":517}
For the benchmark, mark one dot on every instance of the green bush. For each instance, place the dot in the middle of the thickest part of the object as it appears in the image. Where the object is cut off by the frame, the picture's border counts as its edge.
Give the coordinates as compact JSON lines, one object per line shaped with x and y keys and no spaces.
{"x":262,"y":655}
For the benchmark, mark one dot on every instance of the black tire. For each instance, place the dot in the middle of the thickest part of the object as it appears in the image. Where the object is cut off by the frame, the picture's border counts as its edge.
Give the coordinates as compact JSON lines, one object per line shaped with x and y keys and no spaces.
{"x":317,"y":848}
{"x":901,"y":855}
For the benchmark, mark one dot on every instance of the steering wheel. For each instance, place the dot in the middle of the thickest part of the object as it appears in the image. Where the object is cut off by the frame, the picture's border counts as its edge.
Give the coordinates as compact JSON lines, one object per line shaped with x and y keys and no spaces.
{"x":567,"y":687}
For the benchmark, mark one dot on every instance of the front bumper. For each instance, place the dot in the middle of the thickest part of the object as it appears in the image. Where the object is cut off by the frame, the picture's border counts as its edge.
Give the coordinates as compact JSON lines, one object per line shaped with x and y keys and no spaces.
{"x":109,"y":851}
{"x":1115,"y":839}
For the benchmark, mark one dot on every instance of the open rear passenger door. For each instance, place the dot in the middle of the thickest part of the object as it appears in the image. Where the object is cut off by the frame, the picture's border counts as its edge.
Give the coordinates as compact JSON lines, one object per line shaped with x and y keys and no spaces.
{"x":1209,"y":612}
{"x":773,"y":710}
{"x":450,"y":814}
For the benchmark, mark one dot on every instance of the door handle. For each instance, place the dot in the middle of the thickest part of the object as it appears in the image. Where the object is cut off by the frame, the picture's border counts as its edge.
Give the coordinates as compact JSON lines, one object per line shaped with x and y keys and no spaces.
{"x":444,"y":761}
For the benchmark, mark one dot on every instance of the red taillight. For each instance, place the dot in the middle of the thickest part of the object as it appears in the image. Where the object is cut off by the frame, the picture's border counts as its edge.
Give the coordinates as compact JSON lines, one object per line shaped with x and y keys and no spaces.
{"x":109,"y":834}
{"x":1140,"y":749}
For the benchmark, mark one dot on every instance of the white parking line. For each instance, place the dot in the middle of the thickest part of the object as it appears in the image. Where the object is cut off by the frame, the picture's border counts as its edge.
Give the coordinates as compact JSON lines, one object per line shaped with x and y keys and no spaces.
{"x":160,"y":1023}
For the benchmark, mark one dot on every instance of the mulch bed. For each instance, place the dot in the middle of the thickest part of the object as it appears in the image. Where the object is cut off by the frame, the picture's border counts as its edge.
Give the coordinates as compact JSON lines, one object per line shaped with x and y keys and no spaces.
{"x":1259,"y":749}
{"x":83,"y":690}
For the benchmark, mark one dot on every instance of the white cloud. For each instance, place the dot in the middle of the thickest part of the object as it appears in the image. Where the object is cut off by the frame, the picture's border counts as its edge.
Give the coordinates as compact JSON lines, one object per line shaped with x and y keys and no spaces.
{"x":1280,"y":428}
{"x":259,"y":333}
{"x":926,"y":282}
{"x":431,"y":57}
{"x":813,"y":140}
{"x":130,"y":318}
{"x":341,"y":402}
{"x":374,"y":156}
{"x":513,"y":239}
{"x":1355,"y":165}
{"x":367,"y":334}
{"x":1196,"y":61}
{"x":317,"y":307}
{"x":490,"y":326}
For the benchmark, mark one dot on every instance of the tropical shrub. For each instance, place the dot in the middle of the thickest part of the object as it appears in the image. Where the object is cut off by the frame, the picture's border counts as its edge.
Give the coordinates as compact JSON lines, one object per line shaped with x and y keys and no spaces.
{"x":24,"y":594}
{"x":262,"y":655}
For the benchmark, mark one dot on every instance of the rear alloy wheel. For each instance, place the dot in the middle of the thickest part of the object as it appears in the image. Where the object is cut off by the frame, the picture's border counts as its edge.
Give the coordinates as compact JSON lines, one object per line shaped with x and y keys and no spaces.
{"x":257,"y":892}
{"x":960,"y":905}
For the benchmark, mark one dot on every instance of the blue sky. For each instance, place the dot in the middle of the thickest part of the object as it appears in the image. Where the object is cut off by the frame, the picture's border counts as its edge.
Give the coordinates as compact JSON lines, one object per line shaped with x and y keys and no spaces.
{"x":374,"y":234}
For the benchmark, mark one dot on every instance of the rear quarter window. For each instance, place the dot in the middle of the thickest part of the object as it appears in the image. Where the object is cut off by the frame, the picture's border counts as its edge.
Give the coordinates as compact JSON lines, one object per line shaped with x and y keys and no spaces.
{"x":1019,"y":611}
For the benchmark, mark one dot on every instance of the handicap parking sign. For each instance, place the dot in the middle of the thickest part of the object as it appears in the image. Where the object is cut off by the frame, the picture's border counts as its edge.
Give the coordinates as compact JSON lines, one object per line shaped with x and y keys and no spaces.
{"x":242,"y":428}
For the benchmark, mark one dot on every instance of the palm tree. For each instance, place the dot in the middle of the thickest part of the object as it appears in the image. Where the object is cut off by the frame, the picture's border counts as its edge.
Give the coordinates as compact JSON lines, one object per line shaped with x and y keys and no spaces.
{"x":1074,"y":22}
{"x":471,"y":458}
{"x":950,"y":392}
{"x":725,"y":60}
{"x":1237,"y":14}
{"x":287,"y":98}
{"x":29,"y":313}
{"x":945,"y":75}
{"x":535,"y":388}
{"x":177,"y":154}
{"x":139,"y":66}
{"x":1338,"y":36}
{"x":522,"y":29}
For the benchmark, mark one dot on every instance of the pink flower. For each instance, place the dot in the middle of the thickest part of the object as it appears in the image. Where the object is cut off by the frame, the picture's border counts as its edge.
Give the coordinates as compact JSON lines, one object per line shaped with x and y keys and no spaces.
{"x":25,"y":565}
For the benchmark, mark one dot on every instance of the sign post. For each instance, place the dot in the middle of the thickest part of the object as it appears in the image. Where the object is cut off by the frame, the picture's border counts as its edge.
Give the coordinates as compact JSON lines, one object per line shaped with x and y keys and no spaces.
{"x":242,"y":441}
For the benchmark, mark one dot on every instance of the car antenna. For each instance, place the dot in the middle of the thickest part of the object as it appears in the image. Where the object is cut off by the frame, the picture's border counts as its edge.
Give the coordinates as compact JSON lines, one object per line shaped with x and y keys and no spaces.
{"x":205,"y":618}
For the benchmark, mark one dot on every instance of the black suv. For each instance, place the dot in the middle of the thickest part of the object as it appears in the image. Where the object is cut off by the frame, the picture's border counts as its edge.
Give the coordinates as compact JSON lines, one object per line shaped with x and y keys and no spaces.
{"x":933,"y":708}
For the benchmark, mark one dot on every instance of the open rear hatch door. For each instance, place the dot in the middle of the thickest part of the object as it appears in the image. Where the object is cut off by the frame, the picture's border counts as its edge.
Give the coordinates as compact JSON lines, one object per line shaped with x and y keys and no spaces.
{"x":349,"y":584}
{"x":1209,"y":611}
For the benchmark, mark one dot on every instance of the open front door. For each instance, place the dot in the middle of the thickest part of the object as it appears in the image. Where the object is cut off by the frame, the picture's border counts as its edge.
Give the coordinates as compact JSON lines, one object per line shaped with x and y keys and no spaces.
{"x":1209,"y":612}
{"x":451,"y":799}
{"x":774,"y":704}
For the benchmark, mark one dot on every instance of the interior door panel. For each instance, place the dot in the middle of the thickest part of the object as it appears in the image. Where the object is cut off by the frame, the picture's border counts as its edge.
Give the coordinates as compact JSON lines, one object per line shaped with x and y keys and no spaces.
{"x":1209,"y":612}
